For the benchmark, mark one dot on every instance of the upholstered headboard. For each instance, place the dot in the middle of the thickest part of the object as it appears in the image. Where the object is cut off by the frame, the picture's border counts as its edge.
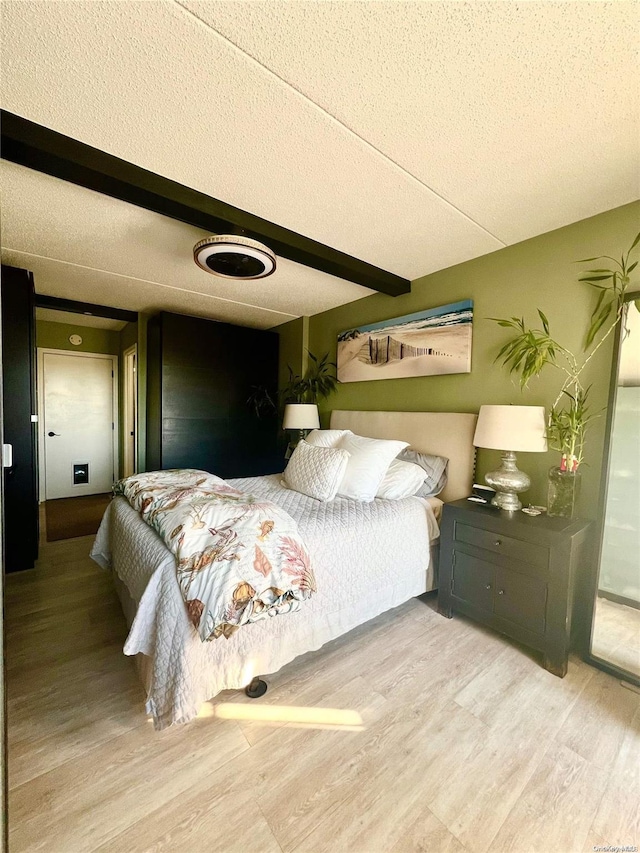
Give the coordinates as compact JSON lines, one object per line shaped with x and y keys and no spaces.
{"x":447,"y":434}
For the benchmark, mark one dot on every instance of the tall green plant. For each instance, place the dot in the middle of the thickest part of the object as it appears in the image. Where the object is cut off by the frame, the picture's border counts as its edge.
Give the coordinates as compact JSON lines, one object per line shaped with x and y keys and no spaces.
{"x":531,"y":349}
{"x":611,"y":295}
{"x":318,"y":381}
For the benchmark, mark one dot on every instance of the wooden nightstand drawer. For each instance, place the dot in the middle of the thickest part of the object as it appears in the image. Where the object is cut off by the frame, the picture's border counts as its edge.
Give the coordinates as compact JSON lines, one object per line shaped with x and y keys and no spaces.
{"x":514,"y":573}
{"x":520,"y":599}
{"x":473,"y":580}
{"x":517,"y":549}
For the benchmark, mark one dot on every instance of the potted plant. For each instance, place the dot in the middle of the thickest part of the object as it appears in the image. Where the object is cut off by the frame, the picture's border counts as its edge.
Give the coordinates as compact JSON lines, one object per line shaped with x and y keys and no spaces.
{"x":531,"y":349}
{"x":318,"y":381}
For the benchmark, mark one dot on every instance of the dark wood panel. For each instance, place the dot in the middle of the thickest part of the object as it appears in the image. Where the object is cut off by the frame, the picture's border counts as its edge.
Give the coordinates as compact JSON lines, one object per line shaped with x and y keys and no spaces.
{"x":18,"y":378}
{"x":503,"y":560}
{"x":521,"y":599}
{"x":75,"y":307}
{"x":499,"y":543}
{"x":473,"y":580}
{"x":154,"y":394}
{"x":195,"y":392}
{"x":203,"y":374}
{"x":203,"y":444}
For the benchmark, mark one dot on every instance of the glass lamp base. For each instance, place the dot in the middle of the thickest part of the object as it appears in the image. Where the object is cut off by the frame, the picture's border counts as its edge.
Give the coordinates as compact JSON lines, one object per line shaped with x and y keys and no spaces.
{"x":506,"y":500}
{"x":508,"y":481}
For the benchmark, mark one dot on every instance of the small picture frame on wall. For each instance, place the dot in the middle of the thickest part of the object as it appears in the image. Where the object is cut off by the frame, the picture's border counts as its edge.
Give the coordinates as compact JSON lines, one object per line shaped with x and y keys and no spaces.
{"x":427,"y":343}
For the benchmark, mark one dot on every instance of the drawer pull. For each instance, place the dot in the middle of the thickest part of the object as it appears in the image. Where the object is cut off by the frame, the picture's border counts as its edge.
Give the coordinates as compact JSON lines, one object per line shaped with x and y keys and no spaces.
{"x":488,"y":586}
{"x":500,"y":592}
{"x":498,"y":542}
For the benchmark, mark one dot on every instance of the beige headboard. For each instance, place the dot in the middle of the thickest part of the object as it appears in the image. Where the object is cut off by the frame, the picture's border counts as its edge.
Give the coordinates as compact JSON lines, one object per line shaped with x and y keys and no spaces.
{"x":447,"y":434}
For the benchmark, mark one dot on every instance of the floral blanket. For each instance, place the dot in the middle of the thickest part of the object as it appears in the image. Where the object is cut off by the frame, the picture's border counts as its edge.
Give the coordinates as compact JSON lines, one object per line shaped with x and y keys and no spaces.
{"x":238,"y":559}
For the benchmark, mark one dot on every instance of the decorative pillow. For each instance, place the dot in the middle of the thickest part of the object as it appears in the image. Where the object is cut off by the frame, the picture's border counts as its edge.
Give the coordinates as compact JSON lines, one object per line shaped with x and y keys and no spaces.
{"x":326,"y":437}
{"x":316,"y":471}
{"x":402,"y":480}
{"x":434,"y":467}
{"x":369,"y":459}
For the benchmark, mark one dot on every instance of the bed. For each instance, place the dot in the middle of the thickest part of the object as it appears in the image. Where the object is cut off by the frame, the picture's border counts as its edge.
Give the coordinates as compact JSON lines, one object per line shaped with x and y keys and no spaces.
{"x":367,"y":558}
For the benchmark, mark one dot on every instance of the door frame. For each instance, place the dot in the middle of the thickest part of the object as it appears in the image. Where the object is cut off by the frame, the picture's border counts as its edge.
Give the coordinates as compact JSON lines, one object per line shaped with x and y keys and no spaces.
{"x":4,"y":790}
{"x":41,"y":352}
{"x":129,"y":394}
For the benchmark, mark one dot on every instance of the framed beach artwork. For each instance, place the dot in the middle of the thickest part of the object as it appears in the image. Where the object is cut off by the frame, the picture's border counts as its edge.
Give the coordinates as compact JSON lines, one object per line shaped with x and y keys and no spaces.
{"x":427,"y":343}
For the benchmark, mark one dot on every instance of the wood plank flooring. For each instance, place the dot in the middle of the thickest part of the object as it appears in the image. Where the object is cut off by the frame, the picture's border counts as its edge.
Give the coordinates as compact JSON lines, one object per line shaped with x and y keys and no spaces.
{"x":466,"y":743}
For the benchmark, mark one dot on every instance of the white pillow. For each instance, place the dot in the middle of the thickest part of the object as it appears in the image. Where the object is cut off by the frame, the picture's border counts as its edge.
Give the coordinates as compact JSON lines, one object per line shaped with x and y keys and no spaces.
{"x":402,"y":480}
{"x":369,"y":459}
{"x":326,"y":437}
{"x":316,"y":471}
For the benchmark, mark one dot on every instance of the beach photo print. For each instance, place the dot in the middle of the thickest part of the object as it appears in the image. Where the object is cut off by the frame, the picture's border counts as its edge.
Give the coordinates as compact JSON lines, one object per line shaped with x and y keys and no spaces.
{"x":426,"y":343}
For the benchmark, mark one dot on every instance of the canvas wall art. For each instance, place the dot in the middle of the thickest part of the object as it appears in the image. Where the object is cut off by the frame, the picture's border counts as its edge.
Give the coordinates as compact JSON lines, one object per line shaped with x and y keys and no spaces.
{"x":427,"y":343}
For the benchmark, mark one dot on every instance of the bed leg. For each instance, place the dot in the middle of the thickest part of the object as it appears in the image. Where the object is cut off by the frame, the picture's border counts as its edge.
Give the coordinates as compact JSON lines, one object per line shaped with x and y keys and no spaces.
{"x":256,"y":689}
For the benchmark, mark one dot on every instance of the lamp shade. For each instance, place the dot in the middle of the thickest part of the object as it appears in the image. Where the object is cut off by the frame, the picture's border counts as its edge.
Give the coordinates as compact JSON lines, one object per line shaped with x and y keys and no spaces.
{"x":515,"y":428}
{"x":301,"y":416}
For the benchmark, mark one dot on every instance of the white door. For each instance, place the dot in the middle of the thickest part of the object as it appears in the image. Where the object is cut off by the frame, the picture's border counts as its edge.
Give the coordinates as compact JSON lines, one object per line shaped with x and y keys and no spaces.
{"x":78,"y":415}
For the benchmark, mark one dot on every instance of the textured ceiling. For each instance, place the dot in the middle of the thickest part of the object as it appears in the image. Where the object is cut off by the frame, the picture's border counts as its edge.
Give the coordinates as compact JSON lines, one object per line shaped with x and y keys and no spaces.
{"x":413,"y":135}
{"x":86,"y":246}
{"x":523,"y":115}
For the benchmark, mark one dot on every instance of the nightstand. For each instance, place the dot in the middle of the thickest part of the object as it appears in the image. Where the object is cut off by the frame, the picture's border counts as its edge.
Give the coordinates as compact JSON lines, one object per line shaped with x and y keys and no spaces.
{"x":513,"y":572}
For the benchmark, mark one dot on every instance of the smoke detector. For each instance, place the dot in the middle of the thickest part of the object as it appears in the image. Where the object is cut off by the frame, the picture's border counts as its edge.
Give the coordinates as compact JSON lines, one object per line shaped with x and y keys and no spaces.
{"x":230,"y":256}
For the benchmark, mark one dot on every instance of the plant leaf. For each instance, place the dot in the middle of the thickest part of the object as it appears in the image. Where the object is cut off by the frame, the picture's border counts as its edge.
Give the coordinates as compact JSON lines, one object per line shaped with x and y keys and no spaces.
{"x":545,"y":322}
{"x":635,"y":242}
{"x":603,"y":293}
{"x":598,"y":277}
{"x":598,"y":323}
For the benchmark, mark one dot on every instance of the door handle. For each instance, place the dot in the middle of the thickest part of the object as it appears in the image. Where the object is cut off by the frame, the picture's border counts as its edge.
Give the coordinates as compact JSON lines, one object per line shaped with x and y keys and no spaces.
{"x":7,"y":456}
{"x":51,"y":434}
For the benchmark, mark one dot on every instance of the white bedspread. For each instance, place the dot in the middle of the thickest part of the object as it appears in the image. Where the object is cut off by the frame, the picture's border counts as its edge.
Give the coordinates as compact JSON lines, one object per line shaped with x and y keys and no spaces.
{"x":367,"y":558}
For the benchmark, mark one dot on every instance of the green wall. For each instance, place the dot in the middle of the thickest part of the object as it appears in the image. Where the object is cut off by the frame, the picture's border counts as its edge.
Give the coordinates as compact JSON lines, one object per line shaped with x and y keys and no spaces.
{"x":56,"y":336}
{"x":292,"y":352}
{"x":514,"y":281}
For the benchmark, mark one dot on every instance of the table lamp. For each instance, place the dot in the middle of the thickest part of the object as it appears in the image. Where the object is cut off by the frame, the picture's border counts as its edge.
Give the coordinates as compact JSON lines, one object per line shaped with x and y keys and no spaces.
{"x":301,"y":416}
{"x":518,"y":428}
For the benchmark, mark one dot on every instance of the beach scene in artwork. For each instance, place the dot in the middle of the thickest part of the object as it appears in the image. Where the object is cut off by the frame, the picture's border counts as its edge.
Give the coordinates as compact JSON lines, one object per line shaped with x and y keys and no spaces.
{"x":427,"y":343}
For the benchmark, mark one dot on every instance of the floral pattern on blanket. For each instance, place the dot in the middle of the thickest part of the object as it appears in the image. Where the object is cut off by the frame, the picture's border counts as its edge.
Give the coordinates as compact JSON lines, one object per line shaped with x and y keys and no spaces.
{"x":238,"y":559}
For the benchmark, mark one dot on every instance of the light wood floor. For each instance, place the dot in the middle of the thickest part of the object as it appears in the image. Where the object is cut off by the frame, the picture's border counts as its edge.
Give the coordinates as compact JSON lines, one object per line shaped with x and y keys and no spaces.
{"x":466,"y":744}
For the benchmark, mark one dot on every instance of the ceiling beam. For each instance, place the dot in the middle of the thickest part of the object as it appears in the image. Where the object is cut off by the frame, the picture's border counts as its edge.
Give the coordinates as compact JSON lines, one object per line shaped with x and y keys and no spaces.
{"x":45,"y":150}
{"x":89,"y":308}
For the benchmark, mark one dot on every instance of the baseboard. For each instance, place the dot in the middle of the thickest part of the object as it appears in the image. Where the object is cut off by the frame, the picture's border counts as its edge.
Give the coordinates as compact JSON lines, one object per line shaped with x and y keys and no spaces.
{"x":619,"y":599}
